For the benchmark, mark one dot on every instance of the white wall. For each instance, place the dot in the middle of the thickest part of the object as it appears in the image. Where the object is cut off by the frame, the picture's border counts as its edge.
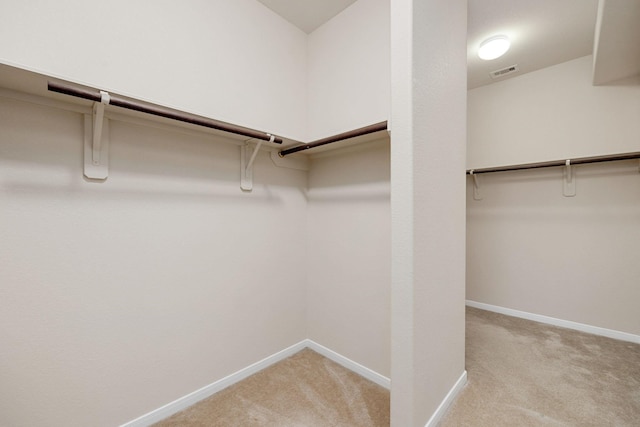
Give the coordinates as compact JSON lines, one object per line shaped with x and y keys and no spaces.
{"x":349,"y":213}
{"x":348,"y":70}
{"x":128,"y":294}
{"x":551,"y":114}
{"x":349,"y":253}
{"x":119,"y":297}
{"x":143,"y":283}
{"x":428,"y":149}
{"x":572,"y":258}
{"x":530,"y":248}
{"x":235,"y":61}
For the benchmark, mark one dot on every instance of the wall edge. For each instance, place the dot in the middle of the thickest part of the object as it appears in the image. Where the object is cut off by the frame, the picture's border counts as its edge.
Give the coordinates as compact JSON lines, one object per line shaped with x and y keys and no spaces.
{"x":448,"y":400}
{"x":590,"y":329}
{"x":209,"y":390}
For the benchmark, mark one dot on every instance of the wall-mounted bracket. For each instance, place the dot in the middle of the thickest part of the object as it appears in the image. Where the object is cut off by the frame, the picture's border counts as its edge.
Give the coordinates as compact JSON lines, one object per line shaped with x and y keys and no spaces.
{"x":476,"y":186}
{"x":96,"y":141}
{"x":247,"y":157}
{"x":569,"y":180}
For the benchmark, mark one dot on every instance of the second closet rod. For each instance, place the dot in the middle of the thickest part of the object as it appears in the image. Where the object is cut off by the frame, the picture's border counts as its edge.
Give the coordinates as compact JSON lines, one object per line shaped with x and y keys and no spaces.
{"x":554,"y":163}
{"x":157,"y":110}
{"x":335,"y":138}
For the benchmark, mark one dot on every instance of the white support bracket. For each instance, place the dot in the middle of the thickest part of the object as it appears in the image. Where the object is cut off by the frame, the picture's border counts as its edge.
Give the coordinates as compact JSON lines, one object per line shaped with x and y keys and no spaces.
{"x":247,"y":157}
{"x":96,"y":141}
{"x":476,"y":186}
{"x":569,"y":180}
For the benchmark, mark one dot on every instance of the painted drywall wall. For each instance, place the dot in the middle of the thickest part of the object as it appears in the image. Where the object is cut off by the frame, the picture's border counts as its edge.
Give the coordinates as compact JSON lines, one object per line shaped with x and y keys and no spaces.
{"x":572,"y":258}
{"x":120,"y":296}
{"x":349,"y":253}
{"x":530,"y":248}
{"x":348,"y":281}
{"x":235,"y":61}
{"x":428,"y":151}
{"x":348,"y":70}
{"x":552,"y":114}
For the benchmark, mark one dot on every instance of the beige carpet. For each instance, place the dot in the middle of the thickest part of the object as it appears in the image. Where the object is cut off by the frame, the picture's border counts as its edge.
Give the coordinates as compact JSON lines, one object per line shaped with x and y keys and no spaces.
{"x":520,"y":373}
{"x":523,"y":373}
{"x":305,"y":390}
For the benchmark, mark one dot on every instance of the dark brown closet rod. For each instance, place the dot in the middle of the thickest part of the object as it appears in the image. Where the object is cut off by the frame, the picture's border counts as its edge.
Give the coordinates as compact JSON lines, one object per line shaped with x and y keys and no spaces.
{"x":335,"y":138}
{"x":554,"y":163}
{"x":157,"y":110}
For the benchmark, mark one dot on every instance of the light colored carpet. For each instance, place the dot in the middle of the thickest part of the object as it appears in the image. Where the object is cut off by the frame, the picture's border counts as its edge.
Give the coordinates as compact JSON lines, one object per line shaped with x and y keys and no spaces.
{"x":523,"y":373}
{"x":520,"y":373}
{"x":305,"y":390}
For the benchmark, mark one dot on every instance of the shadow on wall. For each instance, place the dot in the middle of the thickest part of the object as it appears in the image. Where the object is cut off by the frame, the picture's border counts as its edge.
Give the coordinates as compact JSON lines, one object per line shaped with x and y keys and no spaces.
{"x":530,"y":248}
{"x":42,"y":147}
{"x":357,"y":195}
{"x":358,"y":166}
{"x":599,"y":186}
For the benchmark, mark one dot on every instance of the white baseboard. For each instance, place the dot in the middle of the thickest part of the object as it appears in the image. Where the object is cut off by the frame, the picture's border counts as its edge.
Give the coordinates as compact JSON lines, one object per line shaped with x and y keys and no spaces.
{"x":206,"y":391}
{"x":610,"y":333}
{"x":369,"y":374}
{"x":448,"y":400}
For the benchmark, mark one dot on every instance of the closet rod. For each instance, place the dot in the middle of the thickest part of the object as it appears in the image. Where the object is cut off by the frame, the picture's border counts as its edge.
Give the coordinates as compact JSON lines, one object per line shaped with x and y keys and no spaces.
{"x":335,"y":138}
{"x":554,"y":163}
{"x":157,"y":110}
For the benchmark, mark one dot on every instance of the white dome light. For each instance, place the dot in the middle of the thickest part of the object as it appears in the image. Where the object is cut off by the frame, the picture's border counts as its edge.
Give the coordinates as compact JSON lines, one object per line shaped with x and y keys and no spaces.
{"x":494,"y":47}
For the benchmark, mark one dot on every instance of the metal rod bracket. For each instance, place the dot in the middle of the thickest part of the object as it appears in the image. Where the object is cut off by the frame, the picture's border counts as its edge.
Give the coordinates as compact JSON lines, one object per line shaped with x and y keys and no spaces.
{"x":96,"y":140}
{"x":476,"y":186}
{"x":290,"y":162}
{"x":247,"y":157}
{"x":569,"y":189}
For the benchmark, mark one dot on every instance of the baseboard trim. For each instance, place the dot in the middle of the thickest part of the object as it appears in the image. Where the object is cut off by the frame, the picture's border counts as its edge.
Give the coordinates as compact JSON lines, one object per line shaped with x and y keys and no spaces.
{"x":448,"y":400}
{"x":369,"y":374}
{"x":610,"y":333}
{"x":206,"y":391}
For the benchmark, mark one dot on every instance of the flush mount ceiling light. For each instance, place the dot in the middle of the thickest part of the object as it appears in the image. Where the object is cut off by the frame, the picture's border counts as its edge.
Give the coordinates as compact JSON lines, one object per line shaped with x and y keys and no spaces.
{"x":493,"y":47}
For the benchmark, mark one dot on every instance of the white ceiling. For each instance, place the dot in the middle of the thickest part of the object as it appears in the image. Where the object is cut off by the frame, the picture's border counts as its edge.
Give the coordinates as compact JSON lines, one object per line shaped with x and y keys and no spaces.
{"x":543,"y":33}
{"x":307,"y":14}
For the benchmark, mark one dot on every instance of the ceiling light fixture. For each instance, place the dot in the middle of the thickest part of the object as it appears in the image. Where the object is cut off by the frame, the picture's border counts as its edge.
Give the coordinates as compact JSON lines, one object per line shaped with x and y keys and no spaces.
{"x":493,"y":47}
